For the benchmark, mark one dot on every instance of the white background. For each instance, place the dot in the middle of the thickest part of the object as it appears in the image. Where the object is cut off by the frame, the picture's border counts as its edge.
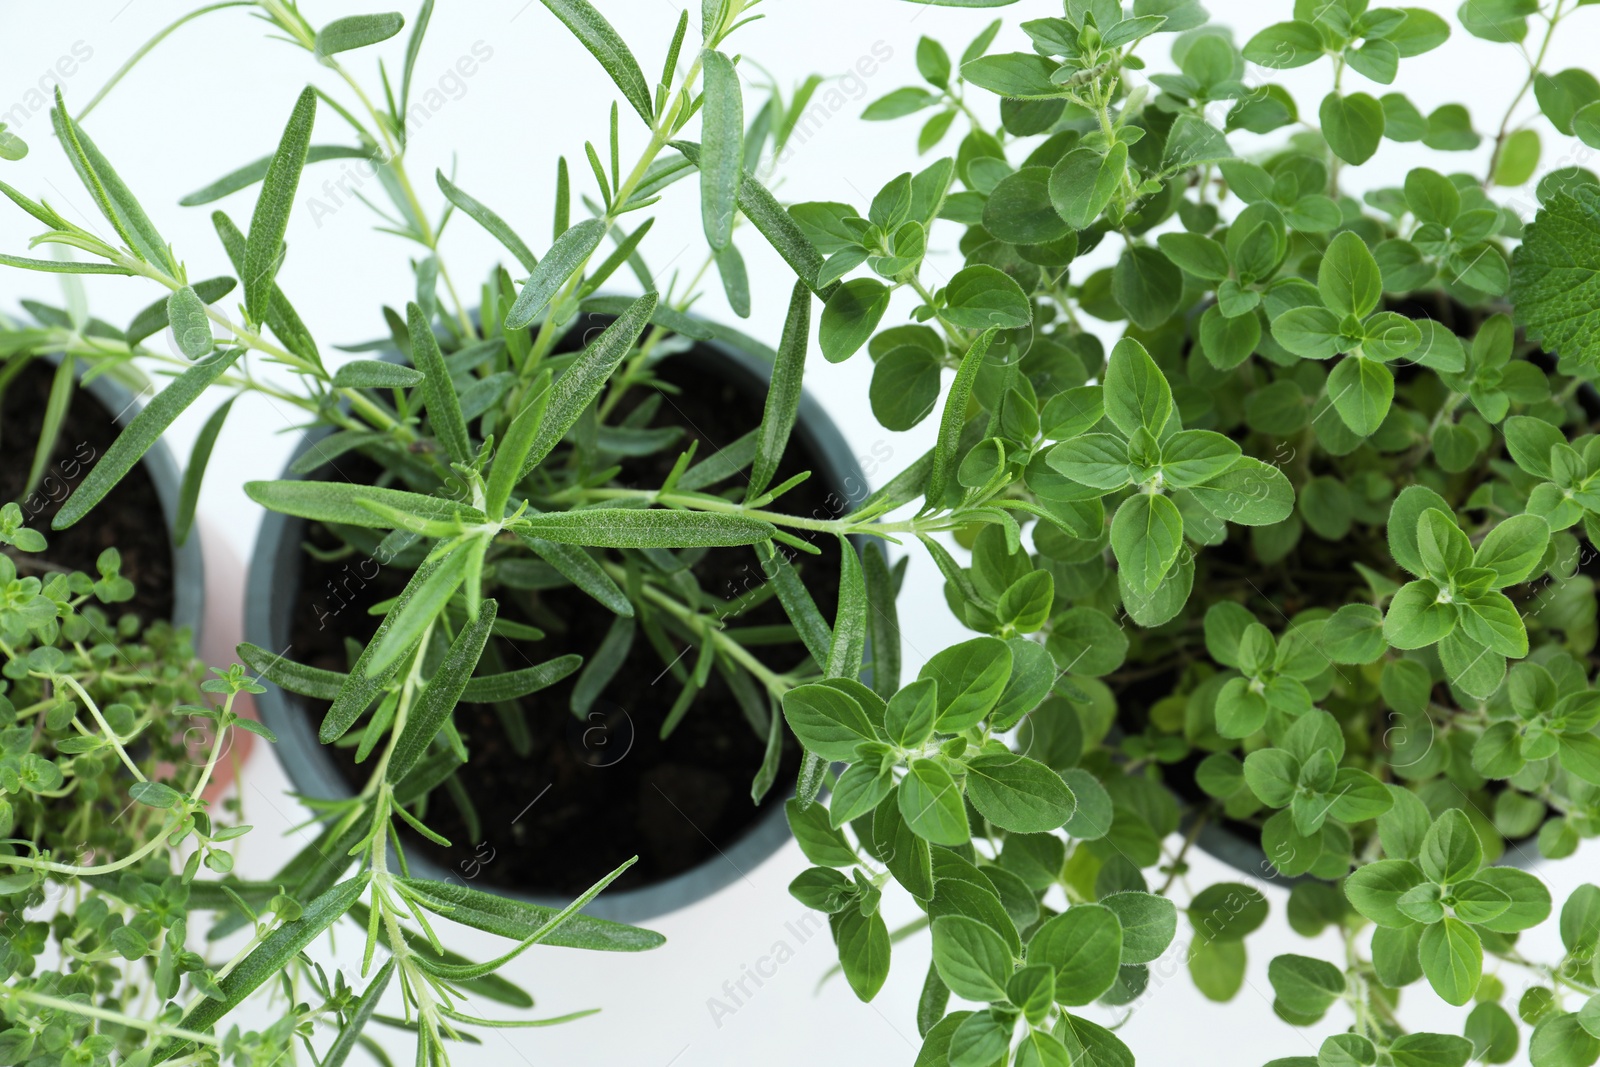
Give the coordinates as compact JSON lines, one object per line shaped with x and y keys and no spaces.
{"x":216,"y":95}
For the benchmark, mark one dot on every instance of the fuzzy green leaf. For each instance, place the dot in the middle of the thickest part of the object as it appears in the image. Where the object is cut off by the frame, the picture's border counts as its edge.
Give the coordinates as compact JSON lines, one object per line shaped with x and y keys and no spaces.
{"x":264,"y":246}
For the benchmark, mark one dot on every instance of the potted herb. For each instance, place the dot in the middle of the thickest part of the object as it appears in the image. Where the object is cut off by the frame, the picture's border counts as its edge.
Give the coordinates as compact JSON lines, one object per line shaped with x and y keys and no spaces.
{"x":111,"y":852}
{"x":601,"y":754}
{"x":58,"y":422}
{"x":1299,"y":568}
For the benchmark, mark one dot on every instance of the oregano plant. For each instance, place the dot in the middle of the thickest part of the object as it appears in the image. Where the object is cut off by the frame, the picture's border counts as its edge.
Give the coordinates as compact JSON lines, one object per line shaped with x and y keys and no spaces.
{"x":1295,"y":568}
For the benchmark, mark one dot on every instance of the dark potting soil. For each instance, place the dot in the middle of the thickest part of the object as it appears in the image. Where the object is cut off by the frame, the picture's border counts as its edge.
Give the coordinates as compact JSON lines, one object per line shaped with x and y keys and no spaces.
{"x":129,"y":519}
{"x":592,"y":793}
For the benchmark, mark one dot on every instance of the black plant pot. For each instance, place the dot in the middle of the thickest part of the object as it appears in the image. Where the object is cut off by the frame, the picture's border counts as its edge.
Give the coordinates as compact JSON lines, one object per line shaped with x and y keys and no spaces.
{"x":600,"y":745}
{"x":170,"y":578}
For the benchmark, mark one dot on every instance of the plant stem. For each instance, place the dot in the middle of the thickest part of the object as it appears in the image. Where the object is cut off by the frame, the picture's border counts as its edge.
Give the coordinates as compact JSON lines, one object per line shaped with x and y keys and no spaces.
{"x":155,"y":1029}
{"x":1533,"y":74}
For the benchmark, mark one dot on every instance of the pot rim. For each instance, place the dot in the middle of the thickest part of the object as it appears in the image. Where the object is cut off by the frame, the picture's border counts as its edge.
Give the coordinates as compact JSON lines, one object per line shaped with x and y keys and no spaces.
{"x":269,"y":601}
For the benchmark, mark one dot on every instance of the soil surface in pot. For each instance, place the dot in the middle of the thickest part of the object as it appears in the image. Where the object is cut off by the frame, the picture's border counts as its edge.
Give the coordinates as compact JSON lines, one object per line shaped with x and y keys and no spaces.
{"x":590,"y":793}
{"x":129,"y":519}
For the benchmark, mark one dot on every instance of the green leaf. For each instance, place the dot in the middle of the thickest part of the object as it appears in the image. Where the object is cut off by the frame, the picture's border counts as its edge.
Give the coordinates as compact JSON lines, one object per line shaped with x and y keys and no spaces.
{"x":1348,"y":277}
{"x":1310,"y":332}
{"x":410,"y":618}
{"x":430,"y":711}
{"x":1272,"y":774}
{"x":1191,"y":457}
{"x":1452,"y":958}
{"x":1519,"y":157}
{"x":194,"y":471}
{"x":1148,"y":923}
{"x":113,"y":198}
{"x":1083,"y":182}
{"x":971,"y":677}
{"x":353,"y":504}
{"x":1019,"y":210}
{"x":362,"y":686}
{"x":1084,"y":946}
{"x":1450,"y":130}
{"x":905,"y":387}
{"x":932,"y":806}
{"x":357,"y":31}
{"x":264,"y":247}
{"x":1555,"y":275}
{"x":1361,"y":390}
{"x":972,"y":959}
{"x":1217,"y":968}
{"x":1085,"y":641}
{"x":61,"y":266}
{"x":1562,"y":95}
{"x":1353,"y":125}
{"x":1227,"y":911}
{"x":1146,"y":537}
{"x":375,"y":374}
{"x":514,"y":685}
{"x":584,"y":379}
{"x":850,"y":316}
{"x":1284,"y":45}
{"x":1097,"y":460}
{"x":980,"y":297}
{"x":1451,"y":851}
{"x":1018,"y":75}
{"x":1305,"y":986}
{"x":186,"y":313}
{"x":1136,"y":392}
{"x":268,"y":959}
{"x":1358,"y":796}
{"x":1492,"y":1032}
{"x":606,"y":45}
{"x":863,"y":943}
{"x":954,"y":417}
{"x":281,"y":316}
{"x":1501,"y":21}
{"x":1416,"y":617}
{"x":256,"y":170}
{"x":1430,"y":1050}
{"x":358,"y":1018}
{"x":295,"y":677}
{"x":1580,"y":755}
{"x":1197,"y":254}
{"x":721,"y":149}
{"x":1561,"y":1040}
{"x":519,"y":920}
{"x":1513,"y":548}
{"x":567,"y":255}
{"x":784,"y":393}
{"x":1422,"y":31}
{"x":827,"y":721}
{"x":655,"y":528}
{"x":485,"y":217}
{"x":1018,"y":794}
{"x":1375,"y":890}
{"x":1252,"y":493}
{"x":139,"y":435}
{"x":444,"y":407}
{"x":1354,"y":635}
{"x":155,"y":794}
{"x":1147,"y":286}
